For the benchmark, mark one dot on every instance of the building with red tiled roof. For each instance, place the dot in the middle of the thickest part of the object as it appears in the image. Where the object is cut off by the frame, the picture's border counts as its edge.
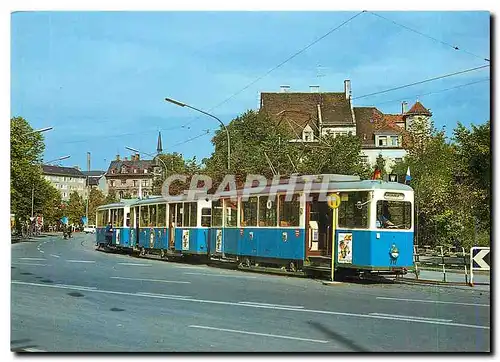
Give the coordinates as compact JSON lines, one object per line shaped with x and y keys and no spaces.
{"x":311,"y":115}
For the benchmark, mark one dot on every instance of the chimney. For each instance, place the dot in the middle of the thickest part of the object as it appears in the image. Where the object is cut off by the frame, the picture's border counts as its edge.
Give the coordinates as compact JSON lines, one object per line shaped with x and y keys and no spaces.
{"x":285,"y":88}
{"x":137,"y":157}
{"x":314,"y":88}
{"x":347,"y":88}
{"x":403,"y":107}
{"x":125,"y":158}
{"x":118,"y":157}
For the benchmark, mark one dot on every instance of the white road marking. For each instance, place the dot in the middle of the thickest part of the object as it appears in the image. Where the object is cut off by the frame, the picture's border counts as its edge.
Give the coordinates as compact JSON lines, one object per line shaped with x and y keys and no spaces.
{"x":80,"y":261}
{"x":259,"y":334}
{"x":37,"y":264}
{"x":75,"y":286}
{"x":41,"y":251}
{"x":55,"y":256}
{"x":433,"y":301}
{"x":162,"y":296}
{"x":32,"y":350}
{"x":134,"y":264}
{"x":223,"y":276}
{"x":153,"y":280}
{"x":411,"y":317}
{"x":39,"y":259}
{"x":273,"y":305}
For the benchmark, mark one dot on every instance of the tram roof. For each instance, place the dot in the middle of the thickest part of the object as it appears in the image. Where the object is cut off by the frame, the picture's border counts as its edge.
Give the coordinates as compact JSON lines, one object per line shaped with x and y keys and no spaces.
{"x":317,"y":187}
{"x":122,"y":203}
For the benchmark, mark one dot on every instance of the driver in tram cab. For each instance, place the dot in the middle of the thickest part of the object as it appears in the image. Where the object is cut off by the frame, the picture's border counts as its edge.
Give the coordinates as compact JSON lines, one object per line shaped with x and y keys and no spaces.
{"x":384,"y":217}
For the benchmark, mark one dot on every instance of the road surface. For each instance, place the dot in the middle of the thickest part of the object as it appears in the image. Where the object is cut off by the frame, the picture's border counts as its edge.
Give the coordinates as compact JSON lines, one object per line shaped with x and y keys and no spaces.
{"x":68,"y":297}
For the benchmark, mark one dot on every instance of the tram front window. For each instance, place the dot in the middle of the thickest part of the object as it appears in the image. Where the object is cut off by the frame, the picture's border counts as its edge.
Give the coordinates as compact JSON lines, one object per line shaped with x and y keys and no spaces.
{"x":393,"y":214}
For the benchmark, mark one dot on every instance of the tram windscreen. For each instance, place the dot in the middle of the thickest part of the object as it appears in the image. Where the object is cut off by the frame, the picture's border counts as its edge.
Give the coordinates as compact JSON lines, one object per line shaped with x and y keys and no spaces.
{"x":393,"y":214}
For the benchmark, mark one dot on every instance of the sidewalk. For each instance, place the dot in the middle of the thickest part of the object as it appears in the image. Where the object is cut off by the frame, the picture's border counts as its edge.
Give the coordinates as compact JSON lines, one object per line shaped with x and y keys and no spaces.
{"x":452,"y":278}
{"x":20,"y":239}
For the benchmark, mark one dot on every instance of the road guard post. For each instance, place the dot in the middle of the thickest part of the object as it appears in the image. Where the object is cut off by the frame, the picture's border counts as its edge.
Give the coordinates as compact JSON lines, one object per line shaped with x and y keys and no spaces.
{"x":333,"y":201}
{"x":479,"y":260}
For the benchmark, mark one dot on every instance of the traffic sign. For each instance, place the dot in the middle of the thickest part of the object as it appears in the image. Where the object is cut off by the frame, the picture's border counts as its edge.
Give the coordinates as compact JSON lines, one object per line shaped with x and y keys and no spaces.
{"x":393,"y":177}
{"x":333,"y":201}
{"x":480,"y":258}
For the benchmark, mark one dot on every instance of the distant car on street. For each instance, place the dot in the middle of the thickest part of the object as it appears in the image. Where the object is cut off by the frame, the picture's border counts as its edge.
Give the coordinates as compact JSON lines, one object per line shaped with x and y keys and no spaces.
{"x":89,"y":229}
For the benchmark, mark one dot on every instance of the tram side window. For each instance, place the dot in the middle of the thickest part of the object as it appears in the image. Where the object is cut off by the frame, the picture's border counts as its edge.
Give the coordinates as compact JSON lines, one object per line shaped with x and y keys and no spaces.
{"x":217,"y":213}
{"x":131,"y":217}
{"x":393,"y":214}
{"x":162,"y":215}
{"x":171,"y":212}
{"x":248,"y":215}
{"x":119,"y":217}
{"x":206,"y":217}
{"x":100,"y":218}
{"x":180,"y":211}
{"x":193,"y":214}
{"x":231,"y":212}
{"x":350,"y":213}
{"x":267,"y":215}
{"x":289,"y":211}
{"x":144,"y":216}
{"x":152,"y":215}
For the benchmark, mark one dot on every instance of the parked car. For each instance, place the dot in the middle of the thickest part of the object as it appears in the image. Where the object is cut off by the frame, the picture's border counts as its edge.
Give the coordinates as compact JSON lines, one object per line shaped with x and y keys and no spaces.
{"x":89,"y":229}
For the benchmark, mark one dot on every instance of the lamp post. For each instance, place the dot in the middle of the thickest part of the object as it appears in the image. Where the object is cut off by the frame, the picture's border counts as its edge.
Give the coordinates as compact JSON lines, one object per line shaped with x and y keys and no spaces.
{"x":151,"y":155}
{"x":39,"y":130}
{"x":180,"y":104}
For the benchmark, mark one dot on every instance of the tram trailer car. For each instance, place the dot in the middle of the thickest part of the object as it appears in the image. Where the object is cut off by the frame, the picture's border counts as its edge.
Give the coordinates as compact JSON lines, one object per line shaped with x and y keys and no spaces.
{"x":119,"y":216}
{"x":373,"y":231}
{"x":172,"y":227}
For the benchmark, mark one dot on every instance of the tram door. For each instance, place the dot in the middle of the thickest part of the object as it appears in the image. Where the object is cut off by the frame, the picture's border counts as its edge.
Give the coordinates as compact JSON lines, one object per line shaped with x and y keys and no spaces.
{"x":137,"y":230}
{"x":171,"y":226}
{"x":319,"y":223}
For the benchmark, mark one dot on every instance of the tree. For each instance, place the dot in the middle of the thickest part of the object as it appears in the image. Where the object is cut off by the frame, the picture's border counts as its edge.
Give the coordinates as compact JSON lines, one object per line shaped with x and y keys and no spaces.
{"x":474,"y":167}
{"x":75,"y":209}
{"x":26,"y":149}
{"x":96,"y":199}
{"x":111,"y":197}
{"x":47,"y":202}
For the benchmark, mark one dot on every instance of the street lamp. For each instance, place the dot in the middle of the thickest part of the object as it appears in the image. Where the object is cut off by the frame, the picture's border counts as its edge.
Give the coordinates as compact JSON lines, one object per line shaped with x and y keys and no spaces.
{"x":39,"y":130}
{"x":180,"y":104}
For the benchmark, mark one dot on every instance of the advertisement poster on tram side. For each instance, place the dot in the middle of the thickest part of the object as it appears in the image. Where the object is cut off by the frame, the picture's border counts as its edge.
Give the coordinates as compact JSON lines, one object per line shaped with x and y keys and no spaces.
{"x":344,"y":249}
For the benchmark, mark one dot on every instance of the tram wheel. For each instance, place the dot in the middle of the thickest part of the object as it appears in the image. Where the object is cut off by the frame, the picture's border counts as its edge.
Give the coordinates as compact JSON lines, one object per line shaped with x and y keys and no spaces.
{"x":162,"y":253}
{"x":143,"y":251}
{"x":291,"y":267}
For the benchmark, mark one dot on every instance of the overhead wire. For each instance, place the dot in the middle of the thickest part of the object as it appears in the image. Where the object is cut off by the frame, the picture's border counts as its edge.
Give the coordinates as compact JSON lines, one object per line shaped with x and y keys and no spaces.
{"x":423,"y":81}
{"x":455,"y":47}
{"x":281,"y":64}
{"x":429,"y":93}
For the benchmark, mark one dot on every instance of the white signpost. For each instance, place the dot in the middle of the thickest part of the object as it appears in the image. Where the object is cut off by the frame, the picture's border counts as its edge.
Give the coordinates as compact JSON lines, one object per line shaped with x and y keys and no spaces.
{"x":479,"y":260}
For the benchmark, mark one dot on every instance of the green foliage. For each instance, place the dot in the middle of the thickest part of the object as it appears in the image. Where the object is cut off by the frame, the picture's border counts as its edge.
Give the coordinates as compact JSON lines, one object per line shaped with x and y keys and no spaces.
{"x":451,"y":193}
{"x":75,"y":209}
{"x":257,"y":141}
{"x":175,"y":164}
{"x":96,"y":199}
{"x":26,"y":149}
{"x":111,"y":197}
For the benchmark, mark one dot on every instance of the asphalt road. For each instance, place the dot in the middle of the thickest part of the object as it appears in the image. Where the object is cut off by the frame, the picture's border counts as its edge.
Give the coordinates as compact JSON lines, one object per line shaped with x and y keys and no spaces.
{"x":68,"y":297}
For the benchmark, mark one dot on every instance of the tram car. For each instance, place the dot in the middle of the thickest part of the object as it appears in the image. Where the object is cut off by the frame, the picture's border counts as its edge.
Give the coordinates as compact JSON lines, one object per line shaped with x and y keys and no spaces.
{"x":290,"y":226}
{"x":118,"y":214}
{"x":173,"y":227}
{"x":372,"y":233}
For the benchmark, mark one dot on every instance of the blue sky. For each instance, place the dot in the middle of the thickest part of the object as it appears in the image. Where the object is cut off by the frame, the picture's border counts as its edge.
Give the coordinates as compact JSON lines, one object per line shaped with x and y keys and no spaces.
{"x":100,"y":78}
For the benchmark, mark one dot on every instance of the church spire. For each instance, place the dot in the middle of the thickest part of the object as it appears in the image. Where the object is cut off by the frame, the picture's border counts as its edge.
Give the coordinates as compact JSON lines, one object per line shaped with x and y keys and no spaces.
{"x":159,"y":148}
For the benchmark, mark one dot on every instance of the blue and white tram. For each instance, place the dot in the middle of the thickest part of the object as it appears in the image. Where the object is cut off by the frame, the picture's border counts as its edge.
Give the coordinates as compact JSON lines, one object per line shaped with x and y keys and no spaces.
{"x":171,"y":227}
{"x":373,"y":232}
{"x":119,"y":216}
